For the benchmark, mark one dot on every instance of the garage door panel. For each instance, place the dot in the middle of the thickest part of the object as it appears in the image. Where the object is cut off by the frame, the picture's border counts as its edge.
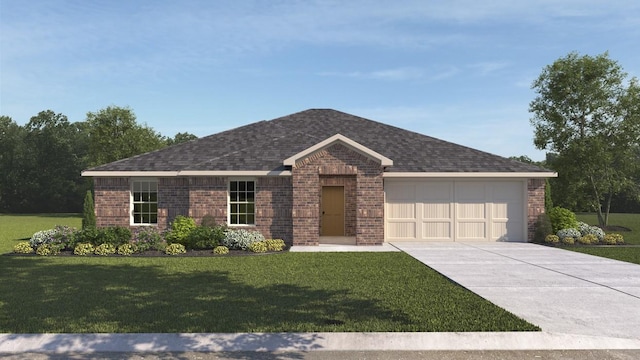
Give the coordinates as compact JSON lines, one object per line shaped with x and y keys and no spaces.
{"x":401,"y":211}
{"x":402,"y":230}
{"x":436,"y":230}
{"x":455,"y":210}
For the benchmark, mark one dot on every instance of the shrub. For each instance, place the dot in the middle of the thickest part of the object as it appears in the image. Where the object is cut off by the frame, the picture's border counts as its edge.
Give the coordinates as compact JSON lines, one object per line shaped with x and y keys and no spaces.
{"x":257,"y":247}
{"x":65,"y":236}
{"x":275,"y":244}
{"x":147,"y":238}
{"x":208,"y":221}
{"x":89,"y":235}
{"x":594,"y":230}
{"x":583,"y":227}
{"x":552,"y":239}
{"x":204,"y":237}
{"x":241,"y":239}
{"x":105,"y":249}
{"x":49,"y":249}
{"x":175,"y":249}
{"x":568,"y":241}
{"x":221,"y":250}
{"x":115,"y":235}
{"x":613,"y":239}
{"x":88,"y":211}
{"x":126,"y":249}
{"x":180,"y":229}
{"x":23,"y":247}
{"x":588,"y":239}
{"x":42,"y":237}
{"x":543,"y":228}
{"x":562,"y":218}
{"x":83,"y":249}
{"x":574,"y":233}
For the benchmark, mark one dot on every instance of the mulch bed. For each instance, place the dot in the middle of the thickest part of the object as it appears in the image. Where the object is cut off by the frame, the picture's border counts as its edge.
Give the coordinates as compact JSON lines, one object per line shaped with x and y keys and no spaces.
{"x":155,"y":253}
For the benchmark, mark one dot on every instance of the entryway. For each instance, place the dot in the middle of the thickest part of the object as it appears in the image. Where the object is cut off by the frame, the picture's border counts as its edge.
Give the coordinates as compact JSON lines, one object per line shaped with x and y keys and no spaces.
{"x":332,"y":220}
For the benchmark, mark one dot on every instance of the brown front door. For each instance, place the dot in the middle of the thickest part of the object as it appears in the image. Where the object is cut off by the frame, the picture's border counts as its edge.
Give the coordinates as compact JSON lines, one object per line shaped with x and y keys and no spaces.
{"x":332,"y":211}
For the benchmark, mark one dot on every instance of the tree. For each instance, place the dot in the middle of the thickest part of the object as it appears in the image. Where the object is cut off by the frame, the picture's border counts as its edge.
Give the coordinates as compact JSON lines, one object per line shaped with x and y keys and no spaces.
{"x":180,"y":138}
{"x":11,"y":158}
{"x":589,"y":119}
{"x":114,"y":134}
{"x":51,"y":164}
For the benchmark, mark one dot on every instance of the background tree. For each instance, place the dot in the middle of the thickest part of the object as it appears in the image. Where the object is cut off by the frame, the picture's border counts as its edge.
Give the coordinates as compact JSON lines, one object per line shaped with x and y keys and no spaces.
{"x":114,"y":134}
{"x":587,"y":117}
{"x":11,"y":159}
{"x":180,"y":138}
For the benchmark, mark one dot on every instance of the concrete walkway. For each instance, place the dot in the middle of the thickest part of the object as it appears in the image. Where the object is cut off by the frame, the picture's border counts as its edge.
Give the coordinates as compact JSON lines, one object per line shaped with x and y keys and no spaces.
{"x":579,"y":301}
{"x":561,"y":291}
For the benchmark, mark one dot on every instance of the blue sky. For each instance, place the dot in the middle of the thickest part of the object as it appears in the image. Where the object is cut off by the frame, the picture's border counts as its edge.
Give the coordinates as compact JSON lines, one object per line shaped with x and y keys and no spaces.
{"x":459,"y":70}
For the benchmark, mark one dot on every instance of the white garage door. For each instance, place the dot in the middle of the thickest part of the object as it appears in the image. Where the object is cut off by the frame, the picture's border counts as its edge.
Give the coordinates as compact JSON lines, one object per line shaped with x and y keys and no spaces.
{"x":454,"y":210}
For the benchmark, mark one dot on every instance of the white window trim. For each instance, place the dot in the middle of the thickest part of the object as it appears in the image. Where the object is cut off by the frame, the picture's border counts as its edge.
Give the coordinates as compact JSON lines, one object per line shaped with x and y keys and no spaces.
{"x":255,"y":195}
{"x":132,"y":181}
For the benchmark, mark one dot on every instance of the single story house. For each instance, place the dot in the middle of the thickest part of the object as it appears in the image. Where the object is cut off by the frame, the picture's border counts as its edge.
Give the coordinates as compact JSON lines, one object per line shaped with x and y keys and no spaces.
{"x":322,"y":175}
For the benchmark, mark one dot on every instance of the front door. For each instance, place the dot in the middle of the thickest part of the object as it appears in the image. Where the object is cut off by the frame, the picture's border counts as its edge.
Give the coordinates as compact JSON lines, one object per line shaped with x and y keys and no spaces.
{"x":332,"y":211}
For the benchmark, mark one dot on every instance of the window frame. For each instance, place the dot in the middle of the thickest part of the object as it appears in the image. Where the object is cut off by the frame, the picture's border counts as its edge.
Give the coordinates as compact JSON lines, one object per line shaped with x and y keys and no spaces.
{"x":133,"y":202}
{"x":239,"y":203}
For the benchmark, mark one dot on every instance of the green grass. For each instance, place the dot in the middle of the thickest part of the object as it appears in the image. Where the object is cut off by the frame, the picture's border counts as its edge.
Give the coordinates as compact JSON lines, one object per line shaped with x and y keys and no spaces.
{"x":287,"y":292}
{"x":631,"y":221}
{"x":628,"y":254}
{"x":15,"y":228}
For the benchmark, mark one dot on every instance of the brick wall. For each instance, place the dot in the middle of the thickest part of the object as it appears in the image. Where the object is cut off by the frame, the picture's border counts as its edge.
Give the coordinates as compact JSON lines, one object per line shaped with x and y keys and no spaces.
{"x":535,"y":191}
{"x":173,"y":200}
{"x":273,"y":208}
{"x":112,"y":201}
{"x":208,"y":196}
{"x":331,"y":164}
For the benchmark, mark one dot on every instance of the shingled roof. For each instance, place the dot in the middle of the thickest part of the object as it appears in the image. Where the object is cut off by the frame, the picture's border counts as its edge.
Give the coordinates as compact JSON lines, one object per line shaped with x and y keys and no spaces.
{"x":262,"y":146}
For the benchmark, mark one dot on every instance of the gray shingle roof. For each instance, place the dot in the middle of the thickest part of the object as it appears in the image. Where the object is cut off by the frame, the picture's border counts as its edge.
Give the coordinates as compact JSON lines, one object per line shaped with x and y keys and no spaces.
{"x":265,"y":144}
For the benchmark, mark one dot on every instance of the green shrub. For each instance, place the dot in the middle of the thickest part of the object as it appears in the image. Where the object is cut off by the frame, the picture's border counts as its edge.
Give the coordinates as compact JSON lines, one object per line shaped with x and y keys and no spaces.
{"x":568,"y":240}
{"x":221,"y":250}
{"x":23,"y":247}
{"x":562,"y":218}
{"x":208,"y":221}
{"x":275,"y":244}
{"x":126,"y":249}
{"x":42,"y":237}
{"x":180,"y":229}
{"x":148,"y":238}
{"x":83,"y":249}
{"x":114,"y":235}
{"x":88,"y":235}
{"x":88,"y":211}
{"x":241,"y":239}
{"x":175,"y":249}
{"x":204,"y":237}
{"x":552,"y":239}
{"x":574,"y":233}
{"x":105,"y":249}
{"x":257,"y":247}
{"x":542,"y":228}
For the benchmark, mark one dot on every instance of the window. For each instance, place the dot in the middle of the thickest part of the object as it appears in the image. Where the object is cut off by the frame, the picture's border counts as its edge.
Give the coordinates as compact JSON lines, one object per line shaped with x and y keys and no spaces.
{"x":242,"y":202}
{"x":144,"y":202}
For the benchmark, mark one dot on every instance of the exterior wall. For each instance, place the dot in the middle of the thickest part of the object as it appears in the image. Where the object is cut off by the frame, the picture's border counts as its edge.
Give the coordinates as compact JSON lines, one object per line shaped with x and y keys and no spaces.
{"x":331,"y":164}
{"x":535,"y":204}
{"x":173,"y":200}
{"x":208,"y":196}
{"x":274,"y":200}
{"x":112,"y":201}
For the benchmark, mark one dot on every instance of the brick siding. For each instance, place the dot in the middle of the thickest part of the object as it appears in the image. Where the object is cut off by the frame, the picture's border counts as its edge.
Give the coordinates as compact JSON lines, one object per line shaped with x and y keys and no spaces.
{"x":111,"y":201}
{"x":535,"y":207}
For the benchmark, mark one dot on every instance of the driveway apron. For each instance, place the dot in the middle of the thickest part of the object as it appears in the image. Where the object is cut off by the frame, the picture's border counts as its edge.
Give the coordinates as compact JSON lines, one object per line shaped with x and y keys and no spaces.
{"x":559,"y":290}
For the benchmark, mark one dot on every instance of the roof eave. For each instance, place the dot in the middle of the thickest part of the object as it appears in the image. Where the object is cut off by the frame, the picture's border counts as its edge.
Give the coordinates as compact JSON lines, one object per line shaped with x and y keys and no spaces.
{"x":512,"y":175}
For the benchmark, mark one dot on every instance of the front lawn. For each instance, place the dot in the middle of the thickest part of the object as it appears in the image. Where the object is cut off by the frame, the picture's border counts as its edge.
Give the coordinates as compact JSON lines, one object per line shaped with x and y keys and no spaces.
{"x":628,"y":254}
{"x":283,"y":292}
{"x":630,"y":221}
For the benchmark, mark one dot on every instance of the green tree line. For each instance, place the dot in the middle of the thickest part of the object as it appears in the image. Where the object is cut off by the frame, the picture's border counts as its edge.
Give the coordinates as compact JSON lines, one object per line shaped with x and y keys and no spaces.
{"x":41,"y":161}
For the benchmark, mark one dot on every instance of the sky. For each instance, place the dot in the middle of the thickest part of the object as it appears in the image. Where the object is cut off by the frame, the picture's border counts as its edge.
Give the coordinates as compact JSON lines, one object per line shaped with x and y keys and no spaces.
{"x":458,"y":70}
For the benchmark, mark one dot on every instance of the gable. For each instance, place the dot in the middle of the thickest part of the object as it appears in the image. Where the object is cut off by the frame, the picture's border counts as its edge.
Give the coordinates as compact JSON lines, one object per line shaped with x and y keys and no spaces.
{"x":343,"y":140}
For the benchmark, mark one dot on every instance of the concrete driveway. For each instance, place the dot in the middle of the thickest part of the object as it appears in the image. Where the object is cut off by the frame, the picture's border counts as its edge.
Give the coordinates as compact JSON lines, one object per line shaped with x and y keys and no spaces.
{"x":561,"y":291}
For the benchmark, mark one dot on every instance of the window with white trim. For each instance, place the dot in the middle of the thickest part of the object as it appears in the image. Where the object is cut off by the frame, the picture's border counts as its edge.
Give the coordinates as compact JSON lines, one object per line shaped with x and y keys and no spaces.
{"x":242,"y":202}
{"x":144,"y":202}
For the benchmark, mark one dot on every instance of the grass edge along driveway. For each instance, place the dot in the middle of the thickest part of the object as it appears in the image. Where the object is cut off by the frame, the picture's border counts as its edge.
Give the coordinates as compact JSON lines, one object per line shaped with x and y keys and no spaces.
{"x":288,"y":292}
